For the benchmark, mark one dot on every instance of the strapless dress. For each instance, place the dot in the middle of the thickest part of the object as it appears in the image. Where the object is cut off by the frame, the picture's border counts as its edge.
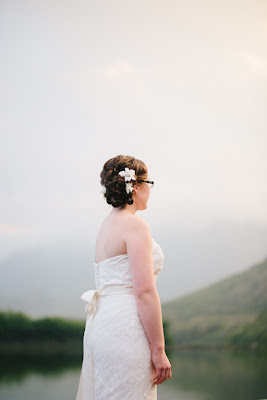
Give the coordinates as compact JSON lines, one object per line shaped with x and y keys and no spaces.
{"x":116,"y":353}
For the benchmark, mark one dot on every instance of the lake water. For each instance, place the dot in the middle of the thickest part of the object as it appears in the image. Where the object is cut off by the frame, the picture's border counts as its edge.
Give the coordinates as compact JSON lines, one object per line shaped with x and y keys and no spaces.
{"x":197,"y":375}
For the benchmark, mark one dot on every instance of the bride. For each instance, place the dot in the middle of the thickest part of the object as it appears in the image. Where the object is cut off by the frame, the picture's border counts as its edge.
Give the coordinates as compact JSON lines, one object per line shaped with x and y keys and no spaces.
{"x":123,"y":345}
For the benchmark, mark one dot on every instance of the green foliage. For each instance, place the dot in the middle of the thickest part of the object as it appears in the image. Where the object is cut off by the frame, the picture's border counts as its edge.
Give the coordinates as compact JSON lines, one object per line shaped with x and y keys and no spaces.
{"x":16,"y":326}
{"x":222,"y":313}
{"x":243,"y":293}
{"x":169,"y":340}
{"x":252,"y":334}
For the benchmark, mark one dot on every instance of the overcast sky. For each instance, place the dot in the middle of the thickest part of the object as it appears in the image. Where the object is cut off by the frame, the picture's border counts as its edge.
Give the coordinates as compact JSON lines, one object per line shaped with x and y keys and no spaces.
{"x":181,"y":85}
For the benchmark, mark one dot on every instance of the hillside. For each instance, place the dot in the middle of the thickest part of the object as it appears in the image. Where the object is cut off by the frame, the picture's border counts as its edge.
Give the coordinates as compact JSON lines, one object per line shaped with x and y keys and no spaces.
{"x":212,"y":315}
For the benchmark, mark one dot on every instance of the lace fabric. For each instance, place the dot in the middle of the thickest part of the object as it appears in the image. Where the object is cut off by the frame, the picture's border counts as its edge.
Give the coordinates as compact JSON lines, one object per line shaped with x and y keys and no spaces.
{"x":116,"y":353}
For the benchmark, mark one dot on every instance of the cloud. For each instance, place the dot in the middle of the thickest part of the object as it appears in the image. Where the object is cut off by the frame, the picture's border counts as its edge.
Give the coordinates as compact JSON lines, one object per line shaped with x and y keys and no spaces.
{"x":91,"y":76}
{"x":255,"y":62}
{"x":118,"y":69}
{"x":14,"y":230}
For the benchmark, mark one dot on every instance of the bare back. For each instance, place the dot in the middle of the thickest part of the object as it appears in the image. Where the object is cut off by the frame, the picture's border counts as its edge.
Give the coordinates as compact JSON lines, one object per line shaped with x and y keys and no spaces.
{"x":110,"y":240}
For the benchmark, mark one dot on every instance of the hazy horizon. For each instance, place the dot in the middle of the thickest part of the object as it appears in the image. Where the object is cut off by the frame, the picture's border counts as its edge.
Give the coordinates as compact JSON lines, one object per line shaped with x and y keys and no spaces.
{"x":181,"y":86}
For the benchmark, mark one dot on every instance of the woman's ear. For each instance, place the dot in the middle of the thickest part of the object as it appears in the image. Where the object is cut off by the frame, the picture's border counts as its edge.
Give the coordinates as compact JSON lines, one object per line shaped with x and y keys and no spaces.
{"x":134,"y":189}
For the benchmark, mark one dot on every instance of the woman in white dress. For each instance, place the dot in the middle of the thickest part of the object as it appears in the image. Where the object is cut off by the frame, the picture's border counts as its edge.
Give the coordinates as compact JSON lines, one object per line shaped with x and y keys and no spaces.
{"x":123,"y":346}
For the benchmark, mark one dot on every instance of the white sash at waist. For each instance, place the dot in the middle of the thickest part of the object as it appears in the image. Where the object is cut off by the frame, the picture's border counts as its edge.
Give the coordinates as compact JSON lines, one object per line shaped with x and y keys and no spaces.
{"x":91,"y":296}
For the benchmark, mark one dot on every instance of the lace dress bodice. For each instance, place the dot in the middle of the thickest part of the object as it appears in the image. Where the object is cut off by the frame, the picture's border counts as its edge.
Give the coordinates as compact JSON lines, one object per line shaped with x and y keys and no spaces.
{"x":116,"y":271}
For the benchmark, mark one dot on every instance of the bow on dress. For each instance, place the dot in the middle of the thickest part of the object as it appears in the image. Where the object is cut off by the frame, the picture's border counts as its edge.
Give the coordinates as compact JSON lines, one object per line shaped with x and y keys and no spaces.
{"x":91,"y":296}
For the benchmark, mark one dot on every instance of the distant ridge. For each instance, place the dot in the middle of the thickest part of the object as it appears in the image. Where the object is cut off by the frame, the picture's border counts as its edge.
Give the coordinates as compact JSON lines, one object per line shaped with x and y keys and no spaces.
{"x":211,"y":314}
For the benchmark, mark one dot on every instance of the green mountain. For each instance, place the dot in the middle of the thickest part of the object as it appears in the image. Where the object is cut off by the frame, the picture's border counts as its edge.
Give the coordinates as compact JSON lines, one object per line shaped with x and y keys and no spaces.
{"x":214,"y":315}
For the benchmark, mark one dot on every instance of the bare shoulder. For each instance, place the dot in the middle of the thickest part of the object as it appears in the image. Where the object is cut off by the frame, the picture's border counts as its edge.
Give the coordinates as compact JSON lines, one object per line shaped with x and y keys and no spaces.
{"x":137,"y":225}
{"x":138,"y":242}
{"x":137,"y":236}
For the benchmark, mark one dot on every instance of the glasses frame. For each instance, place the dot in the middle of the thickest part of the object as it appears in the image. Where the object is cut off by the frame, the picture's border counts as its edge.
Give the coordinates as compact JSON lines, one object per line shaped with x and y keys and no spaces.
{"x":152,"y":183}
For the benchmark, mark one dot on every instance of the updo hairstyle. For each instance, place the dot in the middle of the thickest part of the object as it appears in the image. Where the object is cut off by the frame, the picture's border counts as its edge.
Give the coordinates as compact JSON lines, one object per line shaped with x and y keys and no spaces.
{"x":116,"y":194}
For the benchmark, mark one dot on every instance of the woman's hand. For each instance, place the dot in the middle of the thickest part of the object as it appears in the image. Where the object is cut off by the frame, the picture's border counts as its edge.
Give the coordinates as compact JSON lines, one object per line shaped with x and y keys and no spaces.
{"x":162,"y":366}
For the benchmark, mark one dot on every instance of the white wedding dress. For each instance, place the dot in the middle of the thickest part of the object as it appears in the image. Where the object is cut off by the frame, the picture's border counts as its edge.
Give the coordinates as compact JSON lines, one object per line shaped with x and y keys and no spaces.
{"x":116,"y":353}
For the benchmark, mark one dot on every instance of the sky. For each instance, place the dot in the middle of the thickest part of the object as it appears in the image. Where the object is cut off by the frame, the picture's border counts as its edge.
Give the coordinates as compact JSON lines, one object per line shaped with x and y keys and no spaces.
{"x":181,"y":85}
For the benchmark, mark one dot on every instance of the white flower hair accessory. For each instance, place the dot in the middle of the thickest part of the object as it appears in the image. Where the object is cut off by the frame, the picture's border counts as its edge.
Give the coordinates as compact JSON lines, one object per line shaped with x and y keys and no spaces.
{"x":128,"y":176}
{"x":129,"y":187}
{"x":103,"y":191}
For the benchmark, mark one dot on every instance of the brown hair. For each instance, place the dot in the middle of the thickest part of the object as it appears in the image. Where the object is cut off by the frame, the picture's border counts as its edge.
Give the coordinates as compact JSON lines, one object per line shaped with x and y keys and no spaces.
{"x":116,"y":194}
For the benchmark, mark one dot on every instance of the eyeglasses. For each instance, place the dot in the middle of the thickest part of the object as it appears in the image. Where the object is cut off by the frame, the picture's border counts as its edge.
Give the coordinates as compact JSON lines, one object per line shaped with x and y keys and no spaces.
{"x":150,"y":183}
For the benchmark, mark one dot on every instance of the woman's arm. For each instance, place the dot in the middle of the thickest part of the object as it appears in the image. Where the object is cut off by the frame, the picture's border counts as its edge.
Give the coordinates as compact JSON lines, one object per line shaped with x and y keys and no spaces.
{"x":139,"y":248}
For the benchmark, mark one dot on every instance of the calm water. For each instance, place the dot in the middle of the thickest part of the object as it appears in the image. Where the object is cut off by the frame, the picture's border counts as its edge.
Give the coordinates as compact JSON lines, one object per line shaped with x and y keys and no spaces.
{"x":197,"y":375}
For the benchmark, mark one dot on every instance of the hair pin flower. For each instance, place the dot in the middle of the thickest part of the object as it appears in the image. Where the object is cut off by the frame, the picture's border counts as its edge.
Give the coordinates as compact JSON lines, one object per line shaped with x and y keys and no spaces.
{"x":128,"y":176}
{"x":103,"y":191}
{"x":129,"y":187}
